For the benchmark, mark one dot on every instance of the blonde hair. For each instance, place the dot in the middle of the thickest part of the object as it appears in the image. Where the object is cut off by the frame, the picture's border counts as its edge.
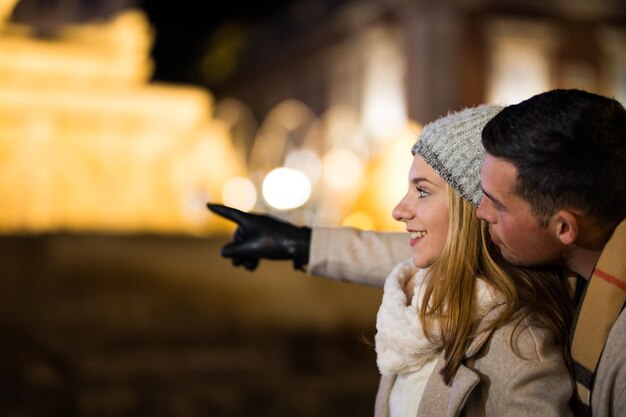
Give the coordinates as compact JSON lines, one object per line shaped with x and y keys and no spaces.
{"x":449,"y":302}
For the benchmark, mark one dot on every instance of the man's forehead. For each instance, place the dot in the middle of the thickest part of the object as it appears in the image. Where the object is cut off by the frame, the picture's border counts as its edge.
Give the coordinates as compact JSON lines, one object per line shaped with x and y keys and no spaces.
{"x":498,"y":176}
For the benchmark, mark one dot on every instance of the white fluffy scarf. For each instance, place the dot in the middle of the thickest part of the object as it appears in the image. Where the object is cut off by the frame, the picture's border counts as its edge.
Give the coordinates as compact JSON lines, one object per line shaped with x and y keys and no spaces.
{"x":401,"y":345}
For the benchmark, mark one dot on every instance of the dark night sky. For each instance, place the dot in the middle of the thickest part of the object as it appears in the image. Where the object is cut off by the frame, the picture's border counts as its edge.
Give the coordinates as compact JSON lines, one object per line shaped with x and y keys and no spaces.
{"x":182,"y":30}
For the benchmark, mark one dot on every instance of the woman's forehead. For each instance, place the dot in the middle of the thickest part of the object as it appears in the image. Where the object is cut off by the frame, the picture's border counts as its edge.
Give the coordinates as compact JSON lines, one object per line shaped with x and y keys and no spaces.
{"x":420,"y":170}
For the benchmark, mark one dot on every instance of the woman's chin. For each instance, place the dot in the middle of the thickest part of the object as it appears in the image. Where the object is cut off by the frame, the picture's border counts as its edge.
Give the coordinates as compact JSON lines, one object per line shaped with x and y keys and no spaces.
{"x":422,"y":263}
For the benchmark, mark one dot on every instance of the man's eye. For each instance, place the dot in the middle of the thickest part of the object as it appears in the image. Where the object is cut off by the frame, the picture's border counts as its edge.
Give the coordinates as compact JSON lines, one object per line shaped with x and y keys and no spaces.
{"x":496,"y":206}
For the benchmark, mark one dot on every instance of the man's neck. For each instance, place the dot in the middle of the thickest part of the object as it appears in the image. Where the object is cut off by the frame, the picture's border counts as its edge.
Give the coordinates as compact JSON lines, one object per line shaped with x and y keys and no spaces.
{"x":582,"y":261}
{"x":583,"y":255}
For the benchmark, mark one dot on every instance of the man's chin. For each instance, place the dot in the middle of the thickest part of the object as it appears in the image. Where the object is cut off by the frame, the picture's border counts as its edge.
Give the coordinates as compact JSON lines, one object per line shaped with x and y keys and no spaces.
{"x":507,"y":256}
{"x":522,"y":263}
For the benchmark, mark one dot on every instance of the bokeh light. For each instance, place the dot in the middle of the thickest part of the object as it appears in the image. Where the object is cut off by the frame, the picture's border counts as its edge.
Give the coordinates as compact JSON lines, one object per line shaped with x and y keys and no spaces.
{"x":387,"y":179}
{"x":384,"y":106}
{"x":291,"y":113}
{"x":361,"y":220}
{"x":306,"y":161}
{"x":342,"y":169}
{"x":239,"y":192}
{"x":286,"y":188}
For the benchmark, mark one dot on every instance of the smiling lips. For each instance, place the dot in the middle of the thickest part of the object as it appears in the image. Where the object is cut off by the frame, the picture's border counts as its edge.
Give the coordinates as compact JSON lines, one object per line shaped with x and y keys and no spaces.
{"x":415,"y":236}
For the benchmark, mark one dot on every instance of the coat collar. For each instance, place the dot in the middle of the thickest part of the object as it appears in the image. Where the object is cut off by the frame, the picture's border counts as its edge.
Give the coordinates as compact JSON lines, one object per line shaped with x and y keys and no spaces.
{"x":449,"y":400}
{"x":441,"y":399}
{"x":483,"y":332}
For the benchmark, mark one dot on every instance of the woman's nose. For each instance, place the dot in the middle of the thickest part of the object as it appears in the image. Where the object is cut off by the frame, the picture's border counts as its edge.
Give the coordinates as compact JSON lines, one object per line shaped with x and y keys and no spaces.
{"x":400,"y":212}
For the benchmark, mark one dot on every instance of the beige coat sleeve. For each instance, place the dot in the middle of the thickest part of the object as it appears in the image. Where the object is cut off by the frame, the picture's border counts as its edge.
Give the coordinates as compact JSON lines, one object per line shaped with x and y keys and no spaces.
{"x":608,"y":398}
{"x":363,"y":257}
{"x":536,"y":384}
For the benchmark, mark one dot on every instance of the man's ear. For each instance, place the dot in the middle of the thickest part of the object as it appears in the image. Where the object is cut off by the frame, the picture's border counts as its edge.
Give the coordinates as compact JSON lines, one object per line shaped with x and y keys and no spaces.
{"x":566,"y":226}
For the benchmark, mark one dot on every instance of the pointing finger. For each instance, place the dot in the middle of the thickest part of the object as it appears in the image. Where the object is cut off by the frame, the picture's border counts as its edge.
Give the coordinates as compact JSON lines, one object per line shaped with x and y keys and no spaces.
{"x":229,"y":213}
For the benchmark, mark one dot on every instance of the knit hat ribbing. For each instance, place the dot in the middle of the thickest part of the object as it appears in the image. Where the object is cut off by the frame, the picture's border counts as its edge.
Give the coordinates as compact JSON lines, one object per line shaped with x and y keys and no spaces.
{"x":452,"y":146}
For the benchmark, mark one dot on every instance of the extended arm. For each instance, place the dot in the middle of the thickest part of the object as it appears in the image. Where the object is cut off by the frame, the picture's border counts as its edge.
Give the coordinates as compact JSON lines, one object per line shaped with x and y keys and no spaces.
{"x":340,"y":253}
{"x":353,"y":255}
{"x":260,"y":236}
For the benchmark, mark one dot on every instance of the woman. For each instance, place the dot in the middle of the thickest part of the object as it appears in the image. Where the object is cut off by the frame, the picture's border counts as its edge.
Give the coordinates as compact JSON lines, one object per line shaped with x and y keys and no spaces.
{"x":459,"y":330}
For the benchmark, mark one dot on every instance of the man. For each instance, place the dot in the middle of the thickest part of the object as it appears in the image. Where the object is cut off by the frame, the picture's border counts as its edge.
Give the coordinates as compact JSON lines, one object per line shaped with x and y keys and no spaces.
{"x":554,"y":179}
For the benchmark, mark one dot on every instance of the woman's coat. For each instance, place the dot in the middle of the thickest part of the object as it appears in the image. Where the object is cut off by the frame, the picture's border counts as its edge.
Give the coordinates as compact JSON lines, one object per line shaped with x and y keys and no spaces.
{"x":493,"y":380}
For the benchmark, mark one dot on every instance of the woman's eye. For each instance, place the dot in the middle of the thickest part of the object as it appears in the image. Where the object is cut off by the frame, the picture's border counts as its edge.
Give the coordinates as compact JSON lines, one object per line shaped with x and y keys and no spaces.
{"x":422,"y":193}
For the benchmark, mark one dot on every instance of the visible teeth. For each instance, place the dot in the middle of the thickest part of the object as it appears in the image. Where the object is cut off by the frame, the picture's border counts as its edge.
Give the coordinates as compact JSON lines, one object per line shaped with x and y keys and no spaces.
{"x":417,"y":235}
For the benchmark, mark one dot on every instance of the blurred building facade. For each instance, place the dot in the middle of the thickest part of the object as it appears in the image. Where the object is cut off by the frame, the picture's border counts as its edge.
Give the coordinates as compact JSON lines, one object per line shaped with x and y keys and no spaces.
{"x":372,"y":72}
{"x":442,"y":54}
{"x":114,"y":300}
{"x":331,"y":90}
{"x":79,"y":118}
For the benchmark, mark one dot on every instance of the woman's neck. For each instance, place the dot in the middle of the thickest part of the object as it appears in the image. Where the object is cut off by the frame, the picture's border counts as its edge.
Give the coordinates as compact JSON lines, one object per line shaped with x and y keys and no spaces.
{"x":409,"y":289}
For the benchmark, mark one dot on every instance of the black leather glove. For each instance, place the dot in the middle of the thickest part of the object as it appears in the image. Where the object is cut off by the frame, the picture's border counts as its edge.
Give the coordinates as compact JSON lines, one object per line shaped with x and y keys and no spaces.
{"x":260,"y":236}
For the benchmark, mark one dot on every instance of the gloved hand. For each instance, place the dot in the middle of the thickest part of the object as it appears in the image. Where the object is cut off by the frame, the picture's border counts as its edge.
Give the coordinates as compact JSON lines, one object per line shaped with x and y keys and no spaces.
{"x":260,"y":236}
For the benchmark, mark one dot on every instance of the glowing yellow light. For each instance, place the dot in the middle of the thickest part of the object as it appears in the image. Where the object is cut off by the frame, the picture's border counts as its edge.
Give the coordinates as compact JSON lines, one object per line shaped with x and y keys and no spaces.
{"x":291,"y":113}
{"x":286,"y":188}
{"x":387,"y":179}
{"x":342,"y":169}
{"x":519,"y":62}
{"x":6,"y":7}
{"x":343,"y":128}
{"x":239,"y":192}
{"x":111,"y":53}
{"x":361,"y":220}
{"x":305,"y":161}
{"x":384,"y":104}
{"x":78,"y":119}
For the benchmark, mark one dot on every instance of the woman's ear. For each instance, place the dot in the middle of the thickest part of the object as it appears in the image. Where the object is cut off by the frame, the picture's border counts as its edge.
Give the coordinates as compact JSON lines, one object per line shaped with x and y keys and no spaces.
{"x":566,"y":227}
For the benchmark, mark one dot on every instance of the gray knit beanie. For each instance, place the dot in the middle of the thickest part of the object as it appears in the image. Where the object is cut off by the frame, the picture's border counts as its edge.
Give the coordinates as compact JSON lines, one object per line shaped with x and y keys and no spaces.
{"x":452,"y":146}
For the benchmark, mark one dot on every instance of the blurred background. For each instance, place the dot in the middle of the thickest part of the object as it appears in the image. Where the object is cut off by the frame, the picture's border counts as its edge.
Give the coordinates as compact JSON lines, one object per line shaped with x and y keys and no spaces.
{"x":120,"y":119}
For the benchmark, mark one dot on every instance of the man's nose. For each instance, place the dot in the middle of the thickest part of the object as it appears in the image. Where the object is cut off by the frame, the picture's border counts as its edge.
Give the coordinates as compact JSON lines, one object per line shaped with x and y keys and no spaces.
{"x":484,"y":211}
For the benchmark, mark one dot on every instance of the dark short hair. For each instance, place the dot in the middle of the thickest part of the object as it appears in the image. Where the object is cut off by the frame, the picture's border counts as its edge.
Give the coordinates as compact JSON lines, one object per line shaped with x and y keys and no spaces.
{"x":569,"y":149}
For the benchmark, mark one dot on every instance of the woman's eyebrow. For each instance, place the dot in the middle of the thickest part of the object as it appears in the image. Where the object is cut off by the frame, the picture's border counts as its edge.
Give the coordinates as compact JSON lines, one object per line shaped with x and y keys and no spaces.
{"x":417,"y":180}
